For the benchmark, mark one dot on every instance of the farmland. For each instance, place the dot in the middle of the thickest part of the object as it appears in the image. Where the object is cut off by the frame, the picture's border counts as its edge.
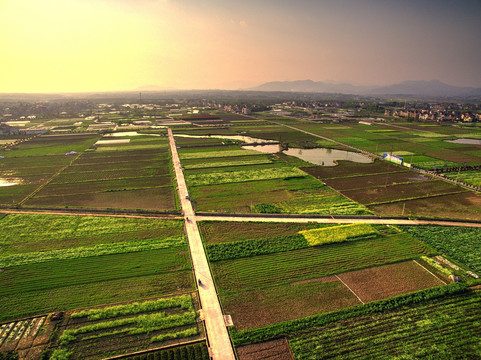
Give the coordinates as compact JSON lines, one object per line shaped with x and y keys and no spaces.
{"x":127,"y":327}
{"x":274,"y":185}
{"x":388,"y":189}
{"x":444,"y":328}
{"x":267,"y":273}
{"x":83,"y":261}
{"x":313,"y":262}
{"x":111,"y":285}
{"x":462,"y":245}
{"x":134,"y":175}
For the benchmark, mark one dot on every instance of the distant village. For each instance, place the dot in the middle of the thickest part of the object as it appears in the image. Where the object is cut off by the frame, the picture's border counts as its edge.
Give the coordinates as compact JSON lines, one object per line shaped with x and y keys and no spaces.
{"x":14,"y":116}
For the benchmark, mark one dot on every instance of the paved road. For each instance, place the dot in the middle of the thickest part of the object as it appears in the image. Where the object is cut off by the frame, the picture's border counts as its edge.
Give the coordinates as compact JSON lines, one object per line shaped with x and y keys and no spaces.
{"x":220,"y":345}
{"x":336,"y":221}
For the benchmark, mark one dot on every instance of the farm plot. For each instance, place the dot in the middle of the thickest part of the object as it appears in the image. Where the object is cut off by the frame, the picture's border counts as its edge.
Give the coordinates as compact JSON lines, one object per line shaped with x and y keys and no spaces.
{"x":390,"y":280}
{"x":25,"y":174}
{"x":125,"y":328}
{"x":215,"y":232}
{"x":346,"y":169}
{"x":74,"y":261}
{"x":386,"y":194}
{"x":139,"y":179}
{"x":25,"y":233}
{"x":265,"y":289}
{"x":195,"y":351}
{"x":261,"y":307}
{"x":425,"y":144}
{"x":460,"y":244}
{"x":468,"y":177}
{"x":465,"y":205}
{"x":53,"y":145}
{"x":273,"y":350}
{"x":366,"y":181}
{"x":293,"y":195}
{"x":27,"y":338}
{"x":445,"y":328}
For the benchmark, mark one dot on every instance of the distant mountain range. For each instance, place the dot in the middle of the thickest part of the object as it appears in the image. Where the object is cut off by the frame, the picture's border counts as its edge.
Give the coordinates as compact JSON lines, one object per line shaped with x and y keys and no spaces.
{"x":433,"y":88}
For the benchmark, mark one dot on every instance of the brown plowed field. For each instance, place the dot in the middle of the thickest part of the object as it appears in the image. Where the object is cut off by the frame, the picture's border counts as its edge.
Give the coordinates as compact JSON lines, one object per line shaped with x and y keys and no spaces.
{"x":257,"y":308}
{"x":358,"y":182}
{"x":161,"y":198}
{"x":401,"y":191}
{"x":389,"y":280}
{"x":272,"y":350}
{"x":454,"y":156}
{"x":466,"y":205}
{"x":349,"y":168}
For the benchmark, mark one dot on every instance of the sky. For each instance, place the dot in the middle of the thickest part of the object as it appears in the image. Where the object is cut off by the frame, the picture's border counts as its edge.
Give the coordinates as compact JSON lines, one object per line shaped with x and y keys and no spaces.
{"x":116,"y":45}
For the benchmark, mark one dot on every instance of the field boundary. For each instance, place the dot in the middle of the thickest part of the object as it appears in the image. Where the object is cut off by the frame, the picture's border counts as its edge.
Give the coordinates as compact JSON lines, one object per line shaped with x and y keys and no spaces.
{"x":446,"y":283}
{"x":362,"y":302}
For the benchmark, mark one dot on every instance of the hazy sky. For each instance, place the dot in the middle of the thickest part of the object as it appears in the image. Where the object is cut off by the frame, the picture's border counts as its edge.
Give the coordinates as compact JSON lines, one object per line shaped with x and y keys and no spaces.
{"x":91,"y":45}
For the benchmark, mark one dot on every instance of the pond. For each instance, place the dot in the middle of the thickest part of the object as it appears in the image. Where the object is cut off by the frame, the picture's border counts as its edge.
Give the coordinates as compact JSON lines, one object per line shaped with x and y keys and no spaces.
{"x":9,"y":182}
{"x":267,"y":149}
{"x":465,"y":141}
{"x":327,"y":157}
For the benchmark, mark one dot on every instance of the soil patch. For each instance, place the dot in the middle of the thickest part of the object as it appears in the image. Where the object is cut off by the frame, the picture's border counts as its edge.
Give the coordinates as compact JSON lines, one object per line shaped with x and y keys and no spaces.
{"x":454,"y":156}
{"x":272,"y":350}
{"x":364,"y":181}
{"x":389,"y":280}
{"x":325,"y":279}
{"x":401,"y":191}
{"x":465,"y":205}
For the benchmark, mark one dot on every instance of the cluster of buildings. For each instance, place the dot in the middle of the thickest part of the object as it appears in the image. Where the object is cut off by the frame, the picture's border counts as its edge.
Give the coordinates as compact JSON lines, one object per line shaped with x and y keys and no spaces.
{"x":435,"y":115}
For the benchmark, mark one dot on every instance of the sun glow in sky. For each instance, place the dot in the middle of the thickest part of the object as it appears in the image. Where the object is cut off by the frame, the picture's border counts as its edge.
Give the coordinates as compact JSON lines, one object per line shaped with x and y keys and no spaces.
{"x":92,"y":45}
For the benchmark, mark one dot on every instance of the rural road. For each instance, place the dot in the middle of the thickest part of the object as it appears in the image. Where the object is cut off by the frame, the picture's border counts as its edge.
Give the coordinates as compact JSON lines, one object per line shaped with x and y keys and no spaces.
{"x":386,"y":221}
{"x":219,"y":341}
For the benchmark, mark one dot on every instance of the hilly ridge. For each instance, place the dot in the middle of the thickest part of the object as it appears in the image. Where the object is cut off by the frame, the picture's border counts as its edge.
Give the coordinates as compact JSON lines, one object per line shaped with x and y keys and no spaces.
{"x":409,"y":87}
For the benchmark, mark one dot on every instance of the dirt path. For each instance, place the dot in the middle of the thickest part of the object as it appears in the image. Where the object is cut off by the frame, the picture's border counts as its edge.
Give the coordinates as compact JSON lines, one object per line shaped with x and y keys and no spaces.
{"x":219,"y":341}
{"x":336,"y":221}
{"x":88,"y":214}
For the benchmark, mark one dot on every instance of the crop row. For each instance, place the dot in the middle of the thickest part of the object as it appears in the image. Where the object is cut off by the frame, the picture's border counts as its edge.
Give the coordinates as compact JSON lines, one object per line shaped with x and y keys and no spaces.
{"x":141,"y":324}
{"x":188,"y":352}
{"x":216,"y":154}
{"x":444,"y":328}
{"x":83,"y":252}
{"x":239,"y":249}
{"x":459,"y":243}
{"x":285,"y":267}
{"x":336,"y":234}
{"x":35,"y":232}
{"x":213,"y":164}
{"x":305,"y":239}
{"x":58,"y":273}
{"x":184,"y":302}
{"x":468,"y":177}
{"x":315,"y":324}
{"x":243,"y":176}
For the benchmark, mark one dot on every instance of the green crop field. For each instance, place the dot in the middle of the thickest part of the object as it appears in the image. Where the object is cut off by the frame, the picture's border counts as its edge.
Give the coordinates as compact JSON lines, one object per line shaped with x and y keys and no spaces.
{"x":469,"y":177}
{"x":137,"y":325}
{"x":442,"y":329}
{"x":285,"y":267}
{"x":53,"y":262}
{"x":460,"y":244}
{"x":53,"y":145}
{"x":215,"y":232}
{"x":127,"y":178}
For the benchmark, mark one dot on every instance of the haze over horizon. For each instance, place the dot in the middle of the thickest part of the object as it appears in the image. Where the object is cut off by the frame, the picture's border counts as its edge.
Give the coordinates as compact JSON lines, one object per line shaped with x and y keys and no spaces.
{"x":117,"y":45}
